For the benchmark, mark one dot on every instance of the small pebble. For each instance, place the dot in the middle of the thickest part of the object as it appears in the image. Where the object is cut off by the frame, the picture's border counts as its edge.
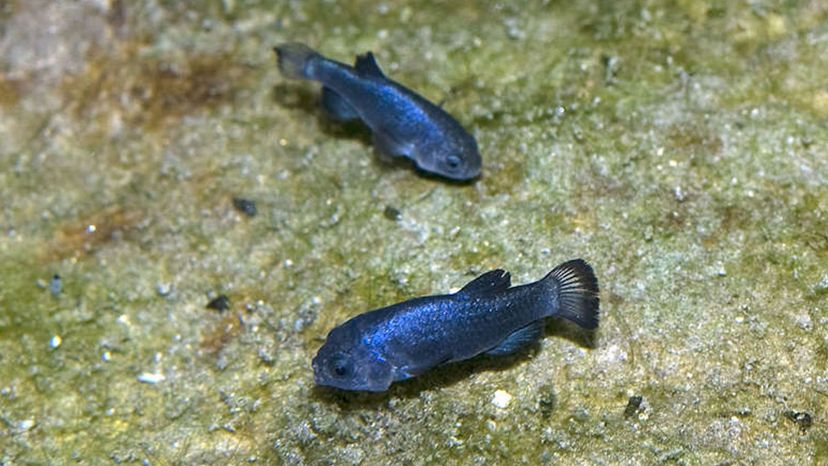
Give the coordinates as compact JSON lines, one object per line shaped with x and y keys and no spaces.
{"x":804,"y":321}
{"x":25,"y":425}
{"x":163,"y":289}
{"x":501,"y":399}
{"x":55,"y":342}
{"x":245,"y":206}
{"x":221,"y":303}
{"x":150,"y":378}
{"x":648,"y":233}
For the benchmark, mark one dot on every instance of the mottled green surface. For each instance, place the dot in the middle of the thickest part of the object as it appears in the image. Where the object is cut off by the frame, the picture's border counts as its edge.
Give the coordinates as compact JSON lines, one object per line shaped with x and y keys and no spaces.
{"x":681,"y":147}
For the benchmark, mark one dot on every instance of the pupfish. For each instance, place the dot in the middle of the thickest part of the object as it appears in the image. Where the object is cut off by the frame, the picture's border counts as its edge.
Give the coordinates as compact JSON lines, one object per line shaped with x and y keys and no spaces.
{"x":487,"y":316}
{"x":402,"y":122}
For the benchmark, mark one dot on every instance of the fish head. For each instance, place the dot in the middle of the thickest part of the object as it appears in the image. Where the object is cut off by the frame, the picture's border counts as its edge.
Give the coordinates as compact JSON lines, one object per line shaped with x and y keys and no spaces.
{"x":350,"y":365}
{"x":457,"y":159}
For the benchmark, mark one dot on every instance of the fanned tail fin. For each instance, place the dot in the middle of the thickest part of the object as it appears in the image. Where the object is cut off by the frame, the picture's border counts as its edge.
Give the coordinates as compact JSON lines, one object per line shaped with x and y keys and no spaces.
{"x":577,"y":292}
{"x":294,"y":59}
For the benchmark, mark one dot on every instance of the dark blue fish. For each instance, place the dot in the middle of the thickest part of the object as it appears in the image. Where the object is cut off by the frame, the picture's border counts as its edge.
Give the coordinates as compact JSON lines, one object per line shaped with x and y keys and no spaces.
{"x":404,"y":124}
{"x":488,"y":315}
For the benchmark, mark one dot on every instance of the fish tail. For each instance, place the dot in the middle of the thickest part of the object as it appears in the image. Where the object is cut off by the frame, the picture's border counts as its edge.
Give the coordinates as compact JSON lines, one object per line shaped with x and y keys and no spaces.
{"x":295,"y":60}
{"x":576,"y":289}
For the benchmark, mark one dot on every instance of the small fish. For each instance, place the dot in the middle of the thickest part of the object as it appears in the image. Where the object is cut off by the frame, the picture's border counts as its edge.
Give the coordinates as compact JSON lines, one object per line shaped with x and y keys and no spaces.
{"x":404,"y":124}
{"x":487,"y":316}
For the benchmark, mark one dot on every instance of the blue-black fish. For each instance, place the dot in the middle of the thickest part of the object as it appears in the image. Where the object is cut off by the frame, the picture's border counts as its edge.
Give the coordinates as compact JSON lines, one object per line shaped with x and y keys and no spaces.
{"x":403,"y":123}
{"x":488,"y":315}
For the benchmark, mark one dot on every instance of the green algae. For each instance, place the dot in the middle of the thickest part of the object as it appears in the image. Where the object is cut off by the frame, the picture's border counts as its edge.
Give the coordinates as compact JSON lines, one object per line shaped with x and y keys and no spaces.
{"x":678,"y":146}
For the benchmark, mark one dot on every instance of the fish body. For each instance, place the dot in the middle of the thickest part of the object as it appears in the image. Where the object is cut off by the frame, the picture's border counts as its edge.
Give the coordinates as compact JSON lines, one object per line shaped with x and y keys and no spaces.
{"x":488,"y":315}
{"x":403,"y":123}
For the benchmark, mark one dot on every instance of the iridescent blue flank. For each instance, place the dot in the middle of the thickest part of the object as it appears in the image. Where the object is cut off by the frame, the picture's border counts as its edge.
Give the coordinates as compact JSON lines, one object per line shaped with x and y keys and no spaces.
{"x":401,"y":341}
{"x":404,"y":124}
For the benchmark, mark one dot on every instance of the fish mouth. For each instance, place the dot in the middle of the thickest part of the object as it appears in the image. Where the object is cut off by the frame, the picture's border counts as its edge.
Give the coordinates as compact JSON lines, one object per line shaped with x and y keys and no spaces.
{"x":319,"y":380}
{"x":474,"y":168}
{"x":471,"y":175}
{"x":349,"y":388}
{"x":330,"y":384}
{"x":465,"y":177}
{"x":318,"y":376}
{"x":322,"y":378}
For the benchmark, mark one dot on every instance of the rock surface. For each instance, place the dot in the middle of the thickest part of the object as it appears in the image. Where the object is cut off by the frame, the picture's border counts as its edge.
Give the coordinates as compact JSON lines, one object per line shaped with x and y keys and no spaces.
{"x":680,"y":147}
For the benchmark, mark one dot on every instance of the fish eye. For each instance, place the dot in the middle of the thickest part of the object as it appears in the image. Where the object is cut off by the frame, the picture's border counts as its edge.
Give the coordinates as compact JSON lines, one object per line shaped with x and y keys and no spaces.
{"x":453,"y":161}
{"x":341,"y":366}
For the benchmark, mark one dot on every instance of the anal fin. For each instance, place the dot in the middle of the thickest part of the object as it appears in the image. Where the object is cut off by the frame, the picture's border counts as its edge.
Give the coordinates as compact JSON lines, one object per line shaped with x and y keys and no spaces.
{"x":518,"y":340}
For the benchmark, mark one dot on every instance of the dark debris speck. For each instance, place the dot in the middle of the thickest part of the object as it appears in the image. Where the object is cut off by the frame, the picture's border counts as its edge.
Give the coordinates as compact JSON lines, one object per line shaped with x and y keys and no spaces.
{"x":548,"y":401}
{"x":245,"y":206}
{"x":392,"y":213}
{"x":220,"y":303}
{"x":802,"y":419}
{"x":633,"y":405}
{"x":55,"y":285}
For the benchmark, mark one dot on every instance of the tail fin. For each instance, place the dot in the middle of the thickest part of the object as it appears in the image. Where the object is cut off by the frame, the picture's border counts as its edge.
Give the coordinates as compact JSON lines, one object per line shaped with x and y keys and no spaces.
{"x":293,"y":59}
{"x":577,"y":290}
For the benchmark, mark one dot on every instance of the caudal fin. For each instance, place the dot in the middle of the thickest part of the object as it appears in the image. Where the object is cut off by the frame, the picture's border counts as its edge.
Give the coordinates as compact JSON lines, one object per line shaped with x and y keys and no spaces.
{"x":577,"y":290}
{"x":293,"y":59}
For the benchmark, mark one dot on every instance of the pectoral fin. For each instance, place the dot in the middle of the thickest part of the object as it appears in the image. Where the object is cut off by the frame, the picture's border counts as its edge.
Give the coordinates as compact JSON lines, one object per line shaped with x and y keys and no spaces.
{"x":413,"y":370}
{"x":518,"y":340}
{"x":389,"y":147}
{"x":336,"y":107}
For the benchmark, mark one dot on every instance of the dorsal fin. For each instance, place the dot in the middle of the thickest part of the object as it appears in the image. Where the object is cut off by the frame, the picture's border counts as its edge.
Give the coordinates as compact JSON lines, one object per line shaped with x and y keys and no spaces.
{"x":366,"y":65}
{"x":490,"y":282}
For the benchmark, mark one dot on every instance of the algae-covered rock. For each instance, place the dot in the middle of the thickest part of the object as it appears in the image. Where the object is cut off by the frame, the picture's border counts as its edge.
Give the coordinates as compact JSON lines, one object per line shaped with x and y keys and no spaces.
{"x":679,"y":147}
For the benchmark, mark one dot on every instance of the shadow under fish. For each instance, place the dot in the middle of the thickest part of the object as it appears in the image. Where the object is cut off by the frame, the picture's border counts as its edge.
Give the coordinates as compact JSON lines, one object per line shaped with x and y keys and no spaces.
{"x":403,"y":123}
{"x":487,"y":316}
